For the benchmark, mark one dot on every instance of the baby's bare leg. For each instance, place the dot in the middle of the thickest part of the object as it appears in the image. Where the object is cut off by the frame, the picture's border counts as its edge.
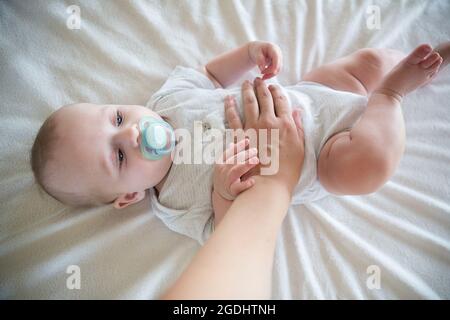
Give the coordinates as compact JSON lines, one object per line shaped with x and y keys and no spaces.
{"x":361,"y":160}
{"x":360,"y":72}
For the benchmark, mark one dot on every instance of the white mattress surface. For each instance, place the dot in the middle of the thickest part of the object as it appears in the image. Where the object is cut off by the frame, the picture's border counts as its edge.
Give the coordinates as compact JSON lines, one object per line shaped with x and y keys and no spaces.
{"x":122,"y":54}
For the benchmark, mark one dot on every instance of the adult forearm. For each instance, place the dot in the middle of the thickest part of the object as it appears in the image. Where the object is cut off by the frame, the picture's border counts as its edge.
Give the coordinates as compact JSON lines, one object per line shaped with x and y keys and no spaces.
{"x":236,"y":262}
{"x":230,"y":66}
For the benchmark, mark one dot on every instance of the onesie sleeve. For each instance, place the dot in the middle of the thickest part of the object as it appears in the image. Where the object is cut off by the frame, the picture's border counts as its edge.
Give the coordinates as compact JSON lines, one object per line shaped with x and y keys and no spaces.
{"x":196,"y":222}
{"x":181,"y":79}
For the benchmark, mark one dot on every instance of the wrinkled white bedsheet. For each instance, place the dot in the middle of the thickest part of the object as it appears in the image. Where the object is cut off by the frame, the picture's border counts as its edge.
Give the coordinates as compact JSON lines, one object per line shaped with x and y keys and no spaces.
{"x":123,"y":52}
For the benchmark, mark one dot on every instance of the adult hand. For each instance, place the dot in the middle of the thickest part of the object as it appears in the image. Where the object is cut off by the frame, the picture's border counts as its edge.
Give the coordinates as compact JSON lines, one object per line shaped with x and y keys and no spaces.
{"x":267,"y":108}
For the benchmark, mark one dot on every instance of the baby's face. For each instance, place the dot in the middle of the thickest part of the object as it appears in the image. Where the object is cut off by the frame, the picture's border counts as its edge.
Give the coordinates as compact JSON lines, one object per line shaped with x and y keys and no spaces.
{"x":101,"y":149}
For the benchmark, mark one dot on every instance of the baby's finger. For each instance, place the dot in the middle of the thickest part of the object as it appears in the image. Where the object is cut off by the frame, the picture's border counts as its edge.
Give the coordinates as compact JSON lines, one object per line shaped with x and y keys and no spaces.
{"x":268,"y":76}
{"x":241,"y":169}
{"x":242,"y":156}
{"x":234,"y":148}
{"x":280,"y":63}
{"x":267,"y":68}
{"x":275,"y":61}
{"x":261,"y":62}
{"x":238,"y":186}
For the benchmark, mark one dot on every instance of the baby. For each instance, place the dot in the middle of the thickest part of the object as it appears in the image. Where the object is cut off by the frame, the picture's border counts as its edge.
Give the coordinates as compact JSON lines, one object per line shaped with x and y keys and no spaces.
{"x":87,"y":154}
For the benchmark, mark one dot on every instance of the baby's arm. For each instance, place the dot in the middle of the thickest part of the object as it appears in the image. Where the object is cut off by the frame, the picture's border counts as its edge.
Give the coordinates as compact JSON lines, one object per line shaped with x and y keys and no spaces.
{"x":220,"y":206}
{"x":227,"y":176}
{"x":225,"y":69}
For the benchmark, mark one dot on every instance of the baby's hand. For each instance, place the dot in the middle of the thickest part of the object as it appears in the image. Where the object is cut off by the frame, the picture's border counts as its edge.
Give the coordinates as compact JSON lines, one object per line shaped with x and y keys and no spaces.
{"x":267,"y":56}
{"x":236,"y":161}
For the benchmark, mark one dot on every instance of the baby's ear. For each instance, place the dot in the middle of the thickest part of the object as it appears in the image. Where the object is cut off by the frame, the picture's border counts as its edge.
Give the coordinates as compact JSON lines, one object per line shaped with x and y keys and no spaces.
{"x":125,"y":199}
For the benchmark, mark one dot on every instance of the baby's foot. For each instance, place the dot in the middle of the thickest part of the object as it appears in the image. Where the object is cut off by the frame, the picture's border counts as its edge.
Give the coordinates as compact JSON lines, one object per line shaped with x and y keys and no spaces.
{"x":416,"y":70}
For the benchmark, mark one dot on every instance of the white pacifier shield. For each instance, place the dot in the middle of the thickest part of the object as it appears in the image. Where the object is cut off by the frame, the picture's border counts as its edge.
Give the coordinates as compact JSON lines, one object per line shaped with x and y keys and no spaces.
{"x":158,"y":138}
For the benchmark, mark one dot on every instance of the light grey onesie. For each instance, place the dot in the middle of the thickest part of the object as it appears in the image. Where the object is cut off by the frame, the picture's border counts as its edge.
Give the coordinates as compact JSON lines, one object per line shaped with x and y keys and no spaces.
{"x":184,"y":203}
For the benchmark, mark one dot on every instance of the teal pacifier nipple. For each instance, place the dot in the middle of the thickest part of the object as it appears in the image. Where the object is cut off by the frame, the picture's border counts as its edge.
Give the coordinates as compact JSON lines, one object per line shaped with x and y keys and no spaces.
{"x":157,"y":138}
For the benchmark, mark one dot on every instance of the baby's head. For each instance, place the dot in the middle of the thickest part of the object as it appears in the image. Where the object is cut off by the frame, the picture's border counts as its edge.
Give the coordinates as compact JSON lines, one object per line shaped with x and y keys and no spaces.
{"x":87,"y":154}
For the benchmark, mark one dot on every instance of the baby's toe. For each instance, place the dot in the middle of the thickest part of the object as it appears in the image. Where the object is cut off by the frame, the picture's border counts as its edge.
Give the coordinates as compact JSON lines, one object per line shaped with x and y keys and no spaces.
{"x":419,"y":54}
{"x":430,"y":60}
{"x":435,"y":66}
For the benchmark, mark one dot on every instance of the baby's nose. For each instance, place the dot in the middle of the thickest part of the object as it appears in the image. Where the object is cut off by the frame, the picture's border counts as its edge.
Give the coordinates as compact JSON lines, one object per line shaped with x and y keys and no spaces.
{"x":131,"y":135}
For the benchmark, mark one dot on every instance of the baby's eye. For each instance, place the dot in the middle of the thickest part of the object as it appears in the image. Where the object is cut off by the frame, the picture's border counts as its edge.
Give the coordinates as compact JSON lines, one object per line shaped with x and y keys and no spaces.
{"x":120,"y":154}
{"x":119,"y":118}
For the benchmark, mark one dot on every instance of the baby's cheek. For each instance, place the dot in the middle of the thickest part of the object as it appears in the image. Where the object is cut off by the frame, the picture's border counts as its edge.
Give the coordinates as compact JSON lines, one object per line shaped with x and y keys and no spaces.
{"x":139,"y":171}
{"x":150,"y":172}
{"x":143,"y":174}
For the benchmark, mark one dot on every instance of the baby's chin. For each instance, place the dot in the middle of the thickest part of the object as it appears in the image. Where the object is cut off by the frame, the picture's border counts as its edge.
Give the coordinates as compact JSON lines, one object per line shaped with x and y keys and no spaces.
{"x":166,"y":164}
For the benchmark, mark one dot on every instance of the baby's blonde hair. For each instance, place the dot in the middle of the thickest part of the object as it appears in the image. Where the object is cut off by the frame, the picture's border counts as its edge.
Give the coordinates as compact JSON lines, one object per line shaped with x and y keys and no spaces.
{"x":42,"y":154}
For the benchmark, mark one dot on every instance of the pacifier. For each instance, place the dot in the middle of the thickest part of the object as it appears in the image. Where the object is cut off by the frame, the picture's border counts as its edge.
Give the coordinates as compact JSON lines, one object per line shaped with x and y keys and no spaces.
{"x":157,"y":138}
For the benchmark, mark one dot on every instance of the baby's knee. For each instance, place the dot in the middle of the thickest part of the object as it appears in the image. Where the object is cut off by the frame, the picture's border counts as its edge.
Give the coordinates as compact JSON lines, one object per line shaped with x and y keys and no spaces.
{"x":372,"y":56}
{"x":378,"y":169}
{"x":382,"y":59}
{"x":349,"y":169}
